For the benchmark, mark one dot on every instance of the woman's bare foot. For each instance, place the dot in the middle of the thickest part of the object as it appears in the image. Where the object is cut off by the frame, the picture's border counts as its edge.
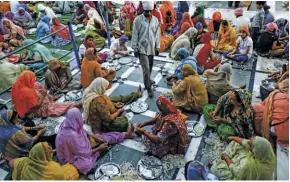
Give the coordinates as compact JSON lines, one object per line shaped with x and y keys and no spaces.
{"x":78,"y":105}
{"x":130,"y":133}
{"x":139,"y":92}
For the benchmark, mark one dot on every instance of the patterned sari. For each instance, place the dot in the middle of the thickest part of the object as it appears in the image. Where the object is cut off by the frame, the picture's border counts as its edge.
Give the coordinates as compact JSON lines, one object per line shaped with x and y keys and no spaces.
{"x":14,"y":142}
{"x":170,"y":128}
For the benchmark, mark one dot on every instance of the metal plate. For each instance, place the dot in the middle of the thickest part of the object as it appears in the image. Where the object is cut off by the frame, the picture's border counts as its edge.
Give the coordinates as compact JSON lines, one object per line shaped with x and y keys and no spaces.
{"x":79,"y":25}
{"x":73,"y":95}
{"x":149,"y":168}
{"x":195,"y":129}
{"x":139,"y":107}
{"x":107,"y":171}
{"x":125,"y":60}
{"x":78,"y":34}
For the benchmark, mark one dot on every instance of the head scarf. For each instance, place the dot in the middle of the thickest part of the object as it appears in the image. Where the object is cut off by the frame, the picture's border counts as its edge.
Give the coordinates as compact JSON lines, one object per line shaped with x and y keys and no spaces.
{"x":97,"y":88}
{"x":205,"y":38}
{"x":238,"y":12}
{"x":55,"y":64}
{"x":271,"y":27}
{"x":93,"y":15}
{"x":183,"y":6}
{"x":225,"y":34}
{"x":187,"y":70}
{"x":56,"y":25}
{"x":72,"y":143}
{"x":198,"y":26}
{"x":89,"y":54}
{"x":245,"y":29}
{"x":148,"y":5}
{"x":42,"y":50}
{"x":20,"y":17}
{"x":199,"y":12}
{"x":261,"y":162}
{"x":178,"y":23}
{"x":91,"y":45}
{"x":217,"y":16}
{"x":195,"y":171}
{"x":48,"y":12}
{"x":14,"y":27}
{"x":226,"y":68}
{"x":44,"y":23}
{"x":39,"y":165}
{"x":186,"y":18}
{"x":184,"y":52}
{"x":284,"y":86}
{"x":170,"y":114}
{"x":23,"y":94}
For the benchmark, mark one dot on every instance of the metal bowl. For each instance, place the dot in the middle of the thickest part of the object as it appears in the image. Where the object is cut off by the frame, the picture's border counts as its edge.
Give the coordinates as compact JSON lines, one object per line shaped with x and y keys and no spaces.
{"x":139,"y":107}
{"x":125,"y":60}
{"x":107,"y":171}
{"x":195,"y":129}
{"x":149,"y":168}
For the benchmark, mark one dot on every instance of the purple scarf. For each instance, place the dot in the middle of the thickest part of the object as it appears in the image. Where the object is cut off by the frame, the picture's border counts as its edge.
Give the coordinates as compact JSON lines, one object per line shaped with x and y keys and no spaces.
{"x":72,"y":143}
{"x":20,"y":17}
{"x":177,"y":25}
{"x":9,"y":15}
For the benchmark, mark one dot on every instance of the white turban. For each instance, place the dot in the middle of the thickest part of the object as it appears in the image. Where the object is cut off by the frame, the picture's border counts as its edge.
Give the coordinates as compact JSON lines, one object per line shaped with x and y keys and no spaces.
{"x":148,"y":5}
{"x":41,"y":7}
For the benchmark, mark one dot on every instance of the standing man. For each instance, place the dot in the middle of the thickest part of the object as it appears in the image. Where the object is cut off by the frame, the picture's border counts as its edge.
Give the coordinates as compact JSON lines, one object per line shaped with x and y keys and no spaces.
{"x":146,"y":41}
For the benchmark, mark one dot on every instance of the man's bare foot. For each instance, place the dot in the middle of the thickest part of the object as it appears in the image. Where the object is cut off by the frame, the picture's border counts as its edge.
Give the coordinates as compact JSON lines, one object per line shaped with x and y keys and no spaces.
{"x":130,"y":133}
{"x":139,"y":92}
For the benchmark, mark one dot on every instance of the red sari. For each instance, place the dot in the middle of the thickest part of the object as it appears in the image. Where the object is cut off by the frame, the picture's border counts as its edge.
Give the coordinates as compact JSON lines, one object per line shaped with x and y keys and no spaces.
{"x":56,"y":25}
{"x":202,"y":52}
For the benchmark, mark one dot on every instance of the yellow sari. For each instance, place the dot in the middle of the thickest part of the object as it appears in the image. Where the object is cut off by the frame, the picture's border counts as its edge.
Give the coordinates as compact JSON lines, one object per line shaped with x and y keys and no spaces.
{"x":39,"y":165}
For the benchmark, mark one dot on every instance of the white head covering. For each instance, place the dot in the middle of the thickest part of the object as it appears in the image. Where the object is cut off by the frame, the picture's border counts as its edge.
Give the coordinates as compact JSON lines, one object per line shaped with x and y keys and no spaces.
{"x":93,"y":14}
{"x":48,"y":11}
{"x":97,"y":88}
{"x":148,"y":5}
{"x":40,"y":7}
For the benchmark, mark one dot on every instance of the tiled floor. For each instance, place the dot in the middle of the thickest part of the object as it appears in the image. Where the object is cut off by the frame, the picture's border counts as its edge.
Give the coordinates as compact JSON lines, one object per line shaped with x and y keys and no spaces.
{"x":133,"y":150}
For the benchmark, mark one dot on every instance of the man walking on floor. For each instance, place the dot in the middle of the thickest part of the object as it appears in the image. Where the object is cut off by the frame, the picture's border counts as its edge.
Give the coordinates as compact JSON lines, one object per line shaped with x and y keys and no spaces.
{"x":146,"y":41}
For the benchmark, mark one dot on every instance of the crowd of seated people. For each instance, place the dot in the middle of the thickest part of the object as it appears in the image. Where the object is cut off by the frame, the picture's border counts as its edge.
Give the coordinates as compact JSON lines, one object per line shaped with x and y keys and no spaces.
{"x":202,"y":50}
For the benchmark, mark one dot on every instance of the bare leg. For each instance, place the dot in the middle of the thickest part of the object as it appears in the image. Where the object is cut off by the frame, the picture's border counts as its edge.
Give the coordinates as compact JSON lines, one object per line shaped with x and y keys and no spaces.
{"x":276,"y":53}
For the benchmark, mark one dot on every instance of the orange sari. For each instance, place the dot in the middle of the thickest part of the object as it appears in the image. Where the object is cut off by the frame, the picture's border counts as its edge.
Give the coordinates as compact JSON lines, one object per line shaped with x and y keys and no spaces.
{"x":167,"y":7}
{"x":23,"y":94}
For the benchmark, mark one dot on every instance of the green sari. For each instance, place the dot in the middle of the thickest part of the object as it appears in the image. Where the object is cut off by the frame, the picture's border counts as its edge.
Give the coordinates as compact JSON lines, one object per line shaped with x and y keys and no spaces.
{"x":258,"y":164}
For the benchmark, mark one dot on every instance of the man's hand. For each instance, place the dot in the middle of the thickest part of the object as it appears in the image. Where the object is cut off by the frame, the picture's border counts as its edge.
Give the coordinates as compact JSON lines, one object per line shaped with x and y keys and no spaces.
{"x":156,"y":52}
{"x":136,"y":54}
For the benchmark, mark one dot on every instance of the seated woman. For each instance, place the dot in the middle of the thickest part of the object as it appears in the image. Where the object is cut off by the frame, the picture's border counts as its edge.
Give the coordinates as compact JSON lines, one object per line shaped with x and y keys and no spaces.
{"x":274,"y":112}
{"x":185,"y":25}
{"x":227,"y":38}
{"x":101,"y":112}
{"x":168,"y":133}
{"x":214,"y":23}
{"x":203,"y":53}
{"x":39,"y":165}
{"x":45,"y":11}
{"x":127,"y":14}
{"x":280,"y":75}
{"x":10,"y":16}
{"x":233,"y":115}
{"x":243,"y":51}
{"x":168,"y":16}
{"x":61,"y":38}
{"x":190,"y":93}
{"x":15,"y":34}
{"x":198,"y":16}
{"x":92,"y":69}
{"x":218,"y":82}
{"x":9,"y":72}
{"x":268,"y":43}
{"x":88,"y":42}
{"x":80,"y":14}
{"x":283,"y":30}
{"x":58,"y":77}
{"x":43,"y":29}
{"x":63,"y":7}
{"x":18,"y":142}
{"x":185,"y":58}
{"x":200,"y":32}
{"x":246,"y":160}
{"x":118,"y":47}
{"x":176,"y":27}
{"x":36,"y":55}
{"x":77,"y":147}
{"x":183,"y":41}
{"x":96,"y":28}
{"x":32,"y":100}
{"x":23,"y":19}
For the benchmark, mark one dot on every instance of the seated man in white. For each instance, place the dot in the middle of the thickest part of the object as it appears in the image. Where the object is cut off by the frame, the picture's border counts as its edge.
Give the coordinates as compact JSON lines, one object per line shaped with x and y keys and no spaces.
{"x":118,"y":47}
